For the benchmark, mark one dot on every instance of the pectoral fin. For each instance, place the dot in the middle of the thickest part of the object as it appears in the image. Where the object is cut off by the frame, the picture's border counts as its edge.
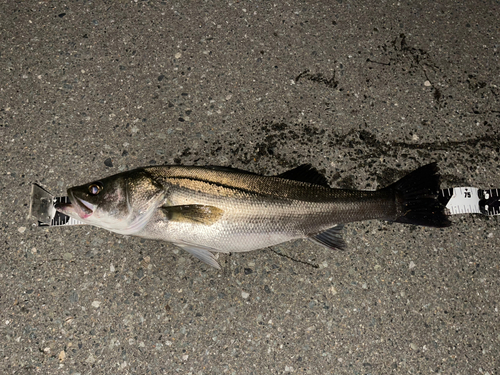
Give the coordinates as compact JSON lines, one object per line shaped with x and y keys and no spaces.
{"x":201,"y":253}
{"x":194,"y":213}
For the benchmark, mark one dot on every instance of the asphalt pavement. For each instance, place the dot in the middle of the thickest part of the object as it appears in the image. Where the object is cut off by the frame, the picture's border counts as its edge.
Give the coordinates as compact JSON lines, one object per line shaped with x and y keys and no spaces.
{"x":364,"y":91}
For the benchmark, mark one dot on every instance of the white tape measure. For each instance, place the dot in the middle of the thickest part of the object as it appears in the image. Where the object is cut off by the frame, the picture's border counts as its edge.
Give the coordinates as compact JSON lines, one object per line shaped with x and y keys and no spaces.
{"x":459,"y":200}
{"x":42,"y":208}
{"x":470,"y":200}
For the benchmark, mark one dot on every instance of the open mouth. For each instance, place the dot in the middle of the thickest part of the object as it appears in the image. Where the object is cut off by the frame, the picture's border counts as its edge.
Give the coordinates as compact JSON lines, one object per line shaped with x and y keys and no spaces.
{"x":77,"y":207}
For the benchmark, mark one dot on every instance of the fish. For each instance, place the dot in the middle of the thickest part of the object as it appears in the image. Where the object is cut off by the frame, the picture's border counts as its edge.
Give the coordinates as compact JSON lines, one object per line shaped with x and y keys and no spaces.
{"x":206,"y":210}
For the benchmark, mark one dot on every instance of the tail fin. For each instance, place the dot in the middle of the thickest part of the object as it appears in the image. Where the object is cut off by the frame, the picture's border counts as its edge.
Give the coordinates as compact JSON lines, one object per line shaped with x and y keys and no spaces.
{"x":417,"y":194}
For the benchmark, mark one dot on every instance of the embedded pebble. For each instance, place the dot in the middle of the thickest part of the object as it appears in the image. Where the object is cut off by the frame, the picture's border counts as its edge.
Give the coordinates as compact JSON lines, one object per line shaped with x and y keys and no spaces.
{"x":67,"y":256}
{"x":140,"y":273}
{"x":96,"y":304}
{"x":73,"y":296}
{"x":245,"y":295}
{"x":21,"y":229}
{"x":412,"y":265}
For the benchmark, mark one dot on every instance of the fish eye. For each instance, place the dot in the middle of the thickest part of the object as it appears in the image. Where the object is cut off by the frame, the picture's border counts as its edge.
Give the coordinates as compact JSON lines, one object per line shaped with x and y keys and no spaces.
{"x":95,"y":189}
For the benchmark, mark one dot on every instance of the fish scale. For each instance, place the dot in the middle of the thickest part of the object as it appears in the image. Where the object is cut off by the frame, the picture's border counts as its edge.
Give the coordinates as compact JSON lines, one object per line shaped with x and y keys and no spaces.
{"x":246,"y":224}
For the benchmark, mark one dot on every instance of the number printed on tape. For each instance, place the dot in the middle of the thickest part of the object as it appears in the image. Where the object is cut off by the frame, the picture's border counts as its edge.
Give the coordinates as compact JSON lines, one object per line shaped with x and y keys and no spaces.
{"x":465,"y":200}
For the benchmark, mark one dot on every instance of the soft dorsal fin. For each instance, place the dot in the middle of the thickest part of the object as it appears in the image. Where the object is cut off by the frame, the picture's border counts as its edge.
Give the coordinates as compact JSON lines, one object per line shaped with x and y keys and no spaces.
{"x":305,"y":173}
{"x":194,"y":213}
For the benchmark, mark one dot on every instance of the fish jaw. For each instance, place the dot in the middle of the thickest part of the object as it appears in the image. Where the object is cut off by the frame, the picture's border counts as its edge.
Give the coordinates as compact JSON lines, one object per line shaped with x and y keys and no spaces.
{"x":84,"y":209}
{"x":78,"y":209}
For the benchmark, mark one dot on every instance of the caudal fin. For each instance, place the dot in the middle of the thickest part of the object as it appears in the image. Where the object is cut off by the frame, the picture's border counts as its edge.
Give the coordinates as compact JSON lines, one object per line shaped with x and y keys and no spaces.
{"x":417,"y":194}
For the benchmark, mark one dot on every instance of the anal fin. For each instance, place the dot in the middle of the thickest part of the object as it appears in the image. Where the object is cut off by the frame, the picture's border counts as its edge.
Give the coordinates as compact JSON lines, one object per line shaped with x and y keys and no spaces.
{"x":331,"y":238}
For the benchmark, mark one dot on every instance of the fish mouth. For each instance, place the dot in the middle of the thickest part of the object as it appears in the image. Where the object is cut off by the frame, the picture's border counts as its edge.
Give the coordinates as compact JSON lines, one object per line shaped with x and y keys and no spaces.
{"x":77,"y":207}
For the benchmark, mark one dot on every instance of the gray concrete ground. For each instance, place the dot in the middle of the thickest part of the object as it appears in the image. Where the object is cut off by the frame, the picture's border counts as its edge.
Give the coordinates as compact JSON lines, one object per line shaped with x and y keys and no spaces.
{"x":365,"y":91}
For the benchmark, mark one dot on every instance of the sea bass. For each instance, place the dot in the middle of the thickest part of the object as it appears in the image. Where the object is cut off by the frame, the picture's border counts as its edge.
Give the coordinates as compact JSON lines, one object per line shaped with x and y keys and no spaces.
{"x":215,"y":209}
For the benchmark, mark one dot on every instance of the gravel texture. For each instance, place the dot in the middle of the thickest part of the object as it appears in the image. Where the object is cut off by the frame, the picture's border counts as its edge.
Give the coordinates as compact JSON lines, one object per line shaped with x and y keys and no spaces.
{"x":365,"y":91}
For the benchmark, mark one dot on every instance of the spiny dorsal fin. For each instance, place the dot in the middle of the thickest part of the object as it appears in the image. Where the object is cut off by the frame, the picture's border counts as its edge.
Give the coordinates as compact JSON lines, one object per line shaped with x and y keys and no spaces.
{"x":331,"y":238}
{"x":194,"y":213}
{"x":305,"y":173}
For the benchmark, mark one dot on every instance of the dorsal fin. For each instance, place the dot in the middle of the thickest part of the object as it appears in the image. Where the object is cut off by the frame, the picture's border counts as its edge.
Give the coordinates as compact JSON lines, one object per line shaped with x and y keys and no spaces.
{"x":305,"y":173}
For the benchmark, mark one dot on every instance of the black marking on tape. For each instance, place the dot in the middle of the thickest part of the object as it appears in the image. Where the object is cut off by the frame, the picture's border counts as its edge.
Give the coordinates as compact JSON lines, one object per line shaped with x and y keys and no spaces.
{"x":489,"y":202}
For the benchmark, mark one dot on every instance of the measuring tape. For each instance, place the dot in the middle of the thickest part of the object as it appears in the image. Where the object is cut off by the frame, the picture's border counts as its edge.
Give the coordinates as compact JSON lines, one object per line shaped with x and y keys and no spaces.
{"x":459,"y":200}
{"x":470,"y":200}
{"x":42,"y":208}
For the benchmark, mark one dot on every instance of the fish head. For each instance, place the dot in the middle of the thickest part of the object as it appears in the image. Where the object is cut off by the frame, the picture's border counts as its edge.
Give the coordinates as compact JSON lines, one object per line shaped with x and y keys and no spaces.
{"x":122,"y":203}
